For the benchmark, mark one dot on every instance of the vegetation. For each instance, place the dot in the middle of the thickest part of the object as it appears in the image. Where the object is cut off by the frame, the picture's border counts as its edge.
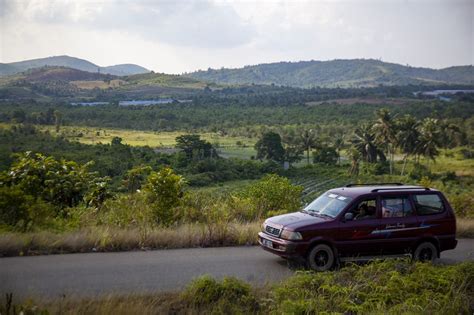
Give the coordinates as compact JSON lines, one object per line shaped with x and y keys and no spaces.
{"x":335,"y":73}
{"x":389,"y":287}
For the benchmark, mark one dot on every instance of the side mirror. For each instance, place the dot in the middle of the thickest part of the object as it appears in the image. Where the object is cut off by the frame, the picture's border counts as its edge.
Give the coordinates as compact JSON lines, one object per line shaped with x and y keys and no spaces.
{"x":349,"y":216}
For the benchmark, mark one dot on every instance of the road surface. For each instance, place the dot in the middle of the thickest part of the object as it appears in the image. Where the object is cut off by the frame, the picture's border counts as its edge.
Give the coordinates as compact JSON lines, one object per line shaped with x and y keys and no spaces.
{"x":93,"y":274}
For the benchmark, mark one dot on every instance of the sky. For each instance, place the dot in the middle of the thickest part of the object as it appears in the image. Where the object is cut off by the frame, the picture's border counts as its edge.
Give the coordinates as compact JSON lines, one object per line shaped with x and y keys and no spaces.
{"x":186,"y":35}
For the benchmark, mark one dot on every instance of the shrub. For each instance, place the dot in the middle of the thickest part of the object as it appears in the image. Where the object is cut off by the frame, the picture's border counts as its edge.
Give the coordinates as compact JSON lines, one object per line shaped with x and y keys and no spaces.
{"x":271,"y":195}
{"x":230,"y":296}
{"x":22,"y":211}
{"x":463,"y":204}
{"x":165,"y":190}
{"x":325,"y":155}
{"x":388,"y":287}
{"x":63,"y":183}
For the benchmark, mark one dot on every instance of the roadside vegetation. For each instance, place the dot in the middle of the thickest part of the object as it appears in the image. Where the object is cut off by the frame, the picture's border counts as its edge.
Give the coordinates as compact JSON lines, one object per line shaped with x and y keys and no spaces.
{"x":59,"y":195}
{"x":380,"y":287}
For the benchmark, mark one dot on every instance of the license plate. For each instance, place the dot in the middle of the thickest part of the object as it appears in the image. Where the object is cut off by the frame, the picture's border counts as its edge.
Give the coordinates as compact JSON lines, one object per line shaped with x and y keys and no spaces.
{"x":267,"y":243}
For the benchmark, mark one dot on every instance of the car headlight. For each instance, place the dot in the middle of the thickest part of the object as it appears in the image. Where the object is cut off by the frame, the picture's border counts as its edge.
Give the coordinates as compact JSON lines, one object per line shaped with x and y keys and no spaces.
{"x":291,"y":236}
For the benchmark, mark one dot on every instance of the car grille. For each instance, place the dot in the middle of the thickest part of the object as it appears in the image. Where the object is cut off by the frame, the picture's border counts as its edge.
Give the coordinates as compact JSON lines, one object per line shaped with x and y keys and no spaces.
{"x":272,"y":231}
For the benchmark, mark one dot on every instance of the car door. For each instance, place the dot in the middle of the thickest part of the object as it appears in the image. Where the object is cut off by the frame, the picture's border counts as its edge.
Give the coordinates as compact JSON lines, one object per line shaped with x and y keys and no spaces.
{"x":356,"y":237}
{"x":399,"y":226}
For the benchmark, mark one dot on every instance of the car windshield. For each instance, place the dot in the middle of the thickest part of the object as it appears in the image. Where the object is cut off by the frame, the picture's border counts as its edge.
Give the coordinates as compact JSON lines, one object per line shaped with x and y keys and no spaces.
{"x":328,"y":204}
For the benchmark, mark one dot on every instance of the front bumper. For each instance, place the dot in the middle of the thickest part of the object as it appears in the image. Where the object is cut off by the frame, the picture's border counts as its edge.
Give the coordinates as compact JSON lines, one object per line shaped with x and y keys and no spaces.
{"x":281,"y":247}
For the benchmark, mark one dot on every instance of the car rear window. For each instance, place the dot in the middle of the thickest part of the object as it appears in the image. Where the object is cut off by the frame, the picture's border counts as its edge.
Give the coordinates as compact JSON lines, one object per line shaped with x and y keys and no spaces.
{"x":393,"y":207}
{"x":428,"y":204}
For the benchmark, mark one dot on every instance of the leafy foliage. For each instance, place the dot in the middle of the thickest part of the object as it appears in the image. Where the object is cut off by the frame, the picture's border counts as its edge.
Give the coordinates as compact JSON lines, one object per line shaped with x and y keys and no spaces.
{"x":272,"y":195}
{"x":165,"y":189}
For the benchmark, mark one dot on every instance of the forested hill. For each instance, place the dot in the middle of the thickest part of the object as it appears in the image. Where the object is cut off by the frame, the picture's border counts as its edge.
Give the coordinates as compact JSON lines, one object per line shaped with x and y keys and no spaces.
{"x":70,"y":62}
{"x":337,"y":73}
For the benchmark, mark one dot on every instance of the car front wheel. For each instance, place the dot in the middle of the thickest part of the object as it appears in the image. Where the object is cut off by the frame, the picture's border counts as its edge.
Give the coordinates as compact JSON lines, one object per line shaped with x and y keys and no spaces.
{"x":425,"y":252}
{"x":321,"y":258}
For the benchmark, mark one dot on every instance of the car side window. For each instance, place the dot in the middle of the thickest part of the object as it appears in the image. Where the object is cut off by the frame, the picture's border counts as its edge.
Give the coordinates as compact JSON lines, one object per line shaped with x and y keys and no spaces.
{"x":428,"y":204}
{"x":365,"y":209}
{"x":396,"y":207}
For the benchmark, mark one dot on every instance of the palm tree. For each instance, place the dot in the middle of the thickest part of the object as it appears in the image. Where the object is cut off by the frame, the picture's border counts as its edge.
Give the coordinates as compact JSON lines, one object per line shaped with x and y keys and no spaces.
{"x":364,"y":142}
{"x":354,"y":155}
{"x":408,"y":137}
{"x":308,"y":140}
{"x":338,"y":145}
{"x":385,"y":134}
{"x":449,"y":134}
{"x":430,"y":139}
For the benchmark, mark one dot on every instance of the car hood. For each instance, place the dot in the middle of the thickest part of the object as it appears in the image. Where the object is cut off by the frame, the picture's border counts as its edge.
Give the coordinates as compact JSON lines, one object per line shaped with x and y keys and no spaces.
{"x":296,"y":219}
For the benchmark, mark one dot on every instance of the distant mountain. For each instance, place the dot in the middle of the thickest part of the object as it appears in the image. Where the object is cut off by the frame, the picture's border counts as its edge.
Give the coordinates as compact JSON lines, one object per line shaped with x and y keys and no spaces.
{"x":124,"y":69}
{"x":337,"y":73}
{"x":70,"y":62}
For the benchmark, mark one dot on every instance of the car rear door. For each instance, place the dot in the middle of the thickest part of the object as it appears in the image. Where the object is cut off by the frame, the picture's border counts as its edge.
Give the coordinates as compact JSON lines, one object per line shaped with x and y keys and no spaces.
{"x":399,"y":226}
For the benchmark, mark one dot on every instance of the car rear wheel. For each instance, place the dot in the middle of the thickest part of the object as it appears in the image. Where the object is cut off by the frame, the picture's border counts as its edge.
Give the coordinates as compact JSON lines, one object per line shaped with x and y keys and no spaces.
{"x":321,"y":258}
{"x":425,"y":252}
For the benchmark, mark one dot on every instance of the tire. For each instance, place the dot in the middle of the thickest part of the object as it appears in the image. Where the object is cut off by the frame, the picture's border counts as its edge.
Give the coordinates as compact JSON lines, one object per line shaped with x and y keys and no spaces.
{"x":321,"y":258}
{"x":425,"y":252}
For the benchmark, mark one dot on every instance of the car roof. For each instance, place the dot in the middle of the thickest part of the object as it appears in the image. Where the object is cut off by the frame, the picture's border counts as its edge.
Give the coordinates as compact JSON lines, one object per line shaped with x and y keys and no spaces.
{"x":358,"y":190}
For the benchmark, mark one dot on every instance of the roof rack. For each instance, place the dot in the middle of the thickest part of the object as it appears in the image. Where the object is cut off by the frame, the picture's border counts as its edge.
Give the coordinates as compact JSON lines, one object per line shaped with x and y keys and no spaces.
{"x":402,"y":188}
{"x":374,"y":184}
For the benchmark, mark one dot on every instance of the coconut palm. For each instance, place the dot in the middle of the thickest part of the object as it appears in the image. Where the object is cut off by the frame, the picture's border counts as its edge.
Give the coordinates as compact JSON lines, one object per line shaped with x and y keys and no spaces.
{"x":364,"y":142}
{"x":385,"y":134}
{"x":408,"y":137}
{"x":308,"y":140}
{"x":338,"y":145}
{"x":430,"y":139}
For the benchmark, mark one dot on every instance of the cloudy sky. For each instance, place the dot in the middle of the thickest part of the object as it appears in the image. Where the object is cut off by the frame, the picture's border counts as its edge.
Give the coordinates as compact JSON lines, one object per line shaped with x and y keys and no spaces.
{"x":179,"y":36}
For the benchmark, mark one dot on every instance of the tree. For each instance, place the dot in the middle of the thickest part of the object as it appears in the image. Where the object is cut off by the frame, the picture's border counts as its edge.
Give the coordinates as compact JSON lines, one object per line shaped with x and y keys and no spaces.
{"x":135,"y":177}
{"x":195,"y":148}
{"x":308,"y":139}
{"x":430,"y":139}
{"x":269,"y":147}
{"x":408,"y":137}
{"x":116,"y":141}
{"x":62,"y":183}
{"x":271,"y":195}
{"x":354,"y":155}
{"x":293,"y":149}
{"x":385,"y":134}
{"x":325,"y":154}
{"x":364,"y":142}
{"x":165,"y":190}
{"x":57,"y":119}
{"x":339,"y":145}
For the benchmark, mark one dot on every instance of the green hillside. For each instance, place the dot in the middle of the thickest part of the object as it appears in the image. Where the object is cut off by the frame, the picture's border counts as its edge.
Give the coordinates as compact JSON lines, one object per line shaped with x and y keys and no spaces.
{"x":69,"y":62}
{"x":337,"y":73}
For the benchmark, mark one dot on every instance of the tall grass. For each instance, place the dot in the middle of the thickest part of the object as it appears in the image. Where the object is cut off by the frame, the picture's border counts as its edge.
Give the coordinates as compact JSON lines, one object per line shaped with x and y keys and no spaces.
{"x":103,"y":239}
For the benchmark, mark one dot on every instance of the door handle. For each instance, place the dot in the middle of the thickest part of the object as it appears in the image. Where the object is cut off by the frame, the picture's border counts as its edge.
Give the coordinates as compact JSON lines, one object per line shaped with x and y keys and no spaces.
{"x":400,"y":225}
{"x":390,"y":226}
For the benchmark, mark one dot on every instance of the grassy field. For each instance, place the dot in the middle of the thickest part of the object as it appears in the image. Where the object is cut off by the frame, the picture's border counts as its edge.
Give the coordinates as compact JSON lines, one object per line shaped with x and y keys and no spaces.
{"x":227,"y":145}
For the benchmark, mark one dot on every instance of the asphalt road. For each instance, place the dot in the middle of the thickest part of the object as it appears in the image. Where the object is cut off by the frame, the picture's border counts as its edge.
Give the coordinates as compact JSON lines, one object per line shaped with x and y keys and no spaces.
{"x":93,"y":274}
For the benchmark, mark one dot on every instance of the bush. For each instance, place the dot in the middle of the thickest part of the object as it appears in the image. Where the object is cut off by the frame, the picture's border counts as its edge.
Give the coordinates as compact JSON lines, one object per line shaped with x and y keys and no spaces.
{"x":164,"y":189}
{"x":62,"y":183}
{"x":23,"y":212}
{"x":230,"y":296}
{"x":325,"y":155}
{"x":463,"y":204}
{"x":388,"y":287}
{"x":419,"y":171}
{"x":272,"y":195}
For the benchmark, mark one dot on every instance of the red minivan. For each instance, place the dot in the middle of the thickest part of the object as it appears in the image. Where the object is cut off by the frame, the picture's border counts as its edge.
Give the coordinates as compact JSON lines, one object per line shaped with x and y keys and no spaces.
{"x":357,"y":222}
